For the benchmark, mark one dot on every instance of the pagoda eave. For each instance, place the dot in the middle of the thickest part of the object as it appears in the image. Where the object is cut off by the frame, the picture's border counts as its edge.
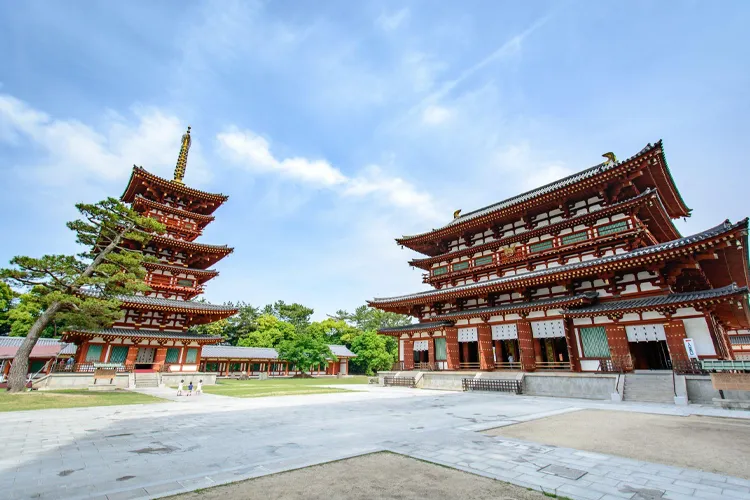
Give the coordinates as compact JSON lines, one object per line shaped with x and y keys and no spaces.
{"x":143,"y":181}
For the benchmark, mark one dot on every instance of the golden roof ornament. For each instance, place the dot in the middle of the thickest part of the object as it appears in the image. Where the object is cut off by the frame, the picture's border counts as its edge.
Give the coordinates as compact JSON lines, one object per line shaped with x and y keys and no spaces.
{"x":456,"y":213}
{"x":179,"y":171}
{"x":611,"y":158}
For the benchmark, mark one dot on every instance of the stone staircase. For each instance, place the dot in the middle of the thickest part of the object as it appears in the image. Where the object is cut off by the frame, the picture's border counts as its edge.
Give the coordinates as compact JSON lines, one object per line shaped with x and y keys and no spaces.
{"x":652,"y":387}
{"x":144,"y":380}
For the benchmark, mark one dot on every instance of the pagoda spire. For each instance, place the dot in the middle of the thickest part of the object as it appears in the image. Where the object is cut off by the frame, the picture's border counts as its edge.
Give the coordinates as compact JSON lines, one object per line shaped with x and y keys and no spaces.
{"x":179,"y":171}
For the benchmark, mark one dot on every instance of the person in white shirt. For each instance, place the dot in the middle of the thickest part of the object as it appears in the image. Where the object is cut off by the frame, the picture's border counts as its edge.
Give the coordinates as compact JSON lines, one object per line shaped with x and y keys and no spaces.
{"x":199,"y":389}
{"x":179,"y":388}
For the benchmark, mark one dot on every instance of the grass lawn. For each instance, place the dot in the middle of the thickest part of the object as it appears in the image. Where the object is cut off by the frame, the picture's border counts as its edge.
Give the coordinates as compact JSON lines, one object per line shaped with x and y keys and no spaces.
{"x":42,"y":400}
{"x":279,"y":386}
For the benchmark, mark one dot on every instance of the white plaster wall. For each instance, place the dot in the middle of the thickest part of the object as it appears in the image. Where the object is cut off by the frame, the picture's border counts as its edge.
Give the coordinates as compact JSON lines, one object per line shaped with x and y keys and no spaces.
{"x":697,"y":329}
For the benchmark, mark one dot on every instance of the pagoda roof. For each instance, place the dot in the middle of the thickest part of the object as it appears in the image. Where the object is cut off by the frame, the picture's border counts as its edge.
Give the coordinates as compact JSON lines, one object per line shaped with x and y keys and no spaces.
{"x":201,"y":219}
{"x":638,"y":257}
{"x":202,"y":275}
{"x":652,"y":154}
{"x":527,"y":306}
{"x":112,"y":333}
{"x":173,"y":305}
{"x":664,"y":228}
{"x":415,"y":327}
{"x":201,"y":247}
{"x":140,"y":179}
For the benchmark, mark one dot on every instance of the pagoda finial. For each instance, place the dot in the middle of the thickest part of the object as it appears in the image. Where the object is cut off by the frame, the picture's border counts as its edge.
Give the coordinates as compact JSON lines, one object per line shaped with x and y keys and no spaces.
{"x":179,"y":171}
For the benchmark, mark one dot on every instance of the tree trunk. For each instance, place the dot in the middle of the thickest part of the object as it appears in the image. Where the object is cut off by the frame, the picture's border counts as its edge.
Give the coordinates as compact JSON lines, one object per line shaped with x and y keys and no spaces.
{"x":20,"y":366}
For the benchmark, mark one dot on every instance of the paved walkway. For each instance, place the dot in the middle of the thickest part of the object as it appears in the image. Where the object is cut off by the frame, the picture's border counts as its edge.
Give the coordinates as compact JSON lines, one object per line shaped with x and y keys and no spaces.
{"x":147,"y":451}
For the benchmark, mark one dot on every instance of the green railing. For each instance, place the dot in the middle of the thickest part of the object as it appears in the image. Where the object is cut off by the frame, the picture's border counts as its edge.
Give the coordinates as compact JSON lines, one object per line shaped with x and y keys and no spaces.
{"x":715,"y":365}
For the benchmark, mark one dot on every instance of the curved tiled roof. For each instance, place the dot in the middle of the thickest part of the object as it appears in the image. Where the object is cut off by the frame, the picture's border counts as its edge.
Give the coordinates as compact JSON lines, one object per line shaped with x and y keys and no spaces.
{"x":238,"y":352}
{"x":205,"y":273}
{"x":44,"y":348}
{"x":428,"y":325}
{"x":172,"y":304}
{"x":659,"y":301}
{"x":523,"y":306}
{"x":589,"y":178}
{"x":201,"y":218}
{"x":201,"y":247}
{"x":610,"y":259}
{"x":146,"y":334}
{"x":140,"y":172}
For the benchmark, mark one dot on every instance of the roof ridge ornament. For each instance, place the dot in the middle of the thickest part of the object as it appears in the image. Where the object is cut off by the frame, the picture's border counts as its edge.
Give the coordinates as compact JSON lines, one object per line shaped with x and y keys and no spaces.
{"x":611,"y":158}
{"x":179,"y":171}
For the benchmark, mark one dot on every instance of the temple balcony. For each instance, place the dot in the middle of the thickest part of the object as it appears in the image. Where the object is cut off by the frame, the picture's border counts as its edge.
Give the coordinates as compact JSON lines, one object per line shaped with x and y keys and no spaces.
{"x":571,"y":244}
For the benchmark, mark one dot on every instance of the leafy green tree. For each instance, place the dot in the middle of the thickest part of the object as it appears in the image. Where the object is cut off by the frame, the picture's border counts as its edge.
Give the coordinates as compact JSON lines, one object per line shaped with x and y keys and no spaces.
{"x":296,"y":314}
{"x":333,"y":331}
{"x":270,"y":332}
{"x":370,"y":319}
{"x":215,"y":329}
{"x":305,"y":351}
{"x":7,"y":297}
{"x":26,"y":311}
{"x":82,"y":291}
{"x":372,"y":353}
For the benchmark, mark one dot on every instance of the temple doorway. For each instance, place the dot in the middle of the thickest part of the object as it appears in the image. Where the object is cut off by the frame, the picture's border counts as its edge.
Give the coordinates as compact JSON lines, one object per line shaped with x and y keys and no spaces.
{"x":421,"y":357}
{"x":468,"y":355}
{"x":506,"y":351}
{"x":650,"y":355}
{"x":554,"y":350}
{"x":145,"y":357}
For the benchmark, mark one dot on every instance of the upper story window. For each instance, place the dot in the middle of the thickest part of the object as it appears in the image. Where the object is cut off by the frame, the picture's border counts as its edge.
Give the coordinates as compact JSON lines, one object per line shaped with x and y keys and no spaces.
{"x":541,"y":245}
{"x":186,"y":283}
{"x":460,"y":266}
{"x":569,"y":239}
{"x":440,"y":270}
{"x":483,"y":261}
{"x":611,"y":228}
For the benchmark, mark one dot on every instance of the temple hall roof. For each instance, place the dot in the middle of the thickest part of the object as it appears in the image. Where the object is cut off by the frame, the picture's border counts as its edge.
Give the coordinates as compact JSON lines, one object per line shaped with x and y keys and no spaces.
{"x":549,"y":193}
{"x":44,"y":348}
{"x":532,"y":305}
{"x":658,"y":302}
{"x":415,"y":327}
{"x":238,"y":352}
{"x":142,"y":333}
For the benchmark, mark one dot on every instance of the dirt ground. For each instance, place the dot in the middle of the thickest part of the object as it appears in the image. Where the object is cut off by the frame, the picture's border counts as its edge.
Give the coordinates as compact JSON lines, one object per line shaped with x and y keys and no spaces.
{"x":374,"y":476}
{"x":712,"y":444}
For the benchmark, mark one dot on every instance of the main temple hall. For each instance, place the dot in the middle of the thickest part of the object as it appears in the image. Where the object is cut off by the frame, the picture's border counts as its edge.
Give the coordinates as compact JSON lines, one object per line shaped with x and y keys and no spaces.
{"x":588,"y":273}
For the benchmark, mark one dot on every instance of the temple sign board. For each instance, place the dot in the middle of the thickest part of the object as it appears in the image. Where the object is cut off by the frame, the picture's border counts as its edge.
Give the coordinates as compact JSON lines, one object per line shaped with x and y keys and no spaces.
{"x":690,"y":348}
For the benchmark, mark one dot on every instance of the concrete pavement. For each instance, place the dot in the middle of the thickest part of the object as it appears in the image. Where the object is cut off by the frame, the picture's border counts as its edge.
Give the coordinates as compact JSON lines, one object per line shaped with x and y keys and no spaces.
{"x":147,"y":451}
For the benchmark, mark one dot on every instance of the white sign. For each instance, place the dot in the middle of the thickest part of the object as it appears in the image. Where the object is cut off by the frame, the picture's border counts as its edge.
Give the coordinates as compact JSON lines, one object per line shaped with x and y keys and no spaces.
{"x":690,"y":348}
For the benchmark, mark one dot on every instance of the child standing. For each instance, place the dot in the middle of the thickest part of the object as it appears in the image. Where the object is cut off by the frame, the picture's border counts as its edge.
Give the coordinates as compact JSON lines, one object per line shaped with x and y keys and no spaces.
{"x":179,"y":388}
{"x":199,"y":390}
{"x":190,"y":388}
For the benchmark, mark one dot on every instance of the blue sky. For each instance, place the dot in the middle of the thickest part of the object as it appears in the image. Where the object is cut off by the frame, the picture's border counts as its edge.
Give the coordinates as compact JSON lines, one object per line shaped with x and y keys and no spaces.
{"x":337,"y":126}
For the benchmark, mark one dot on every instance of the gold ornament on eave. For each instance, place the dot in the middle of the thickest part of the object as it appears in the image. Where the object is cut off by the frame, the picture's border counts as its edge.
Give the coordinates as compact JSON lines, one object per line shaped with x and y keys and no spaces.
{"x":611,"y":158}
{"x":179,"y":171}
{"x":456,"y":213}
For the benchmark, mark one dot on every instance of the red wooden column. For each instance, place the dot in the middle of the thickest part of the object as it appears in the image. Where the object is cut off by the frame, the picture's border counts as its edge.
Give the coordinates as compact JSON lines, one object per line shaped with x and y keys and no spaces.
{"x":80,"y":356}
{"x":570,"y":339}
{"x":408,"y":354}
{"x":537,"y":348}
{"x":160,"y":357}
{"x":132,"y":356}
{"x":675,"y":332}
{"x":486,"y":357}
{"x":619,"y":349}
{"x":430,"y":351}
{"x":526,"y":346}
{"x":451,"y":347}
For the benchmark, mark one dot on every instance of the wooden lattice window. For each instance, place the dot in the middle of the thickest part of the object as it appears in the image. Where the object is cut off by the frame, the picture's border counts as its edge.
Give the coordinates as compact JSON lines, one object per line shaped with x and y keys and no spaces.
{"x":483,"y":261}
{"x":460,"y":266}
{"x":440,"y":270}
{"x":594,"y":341}
{"x":94,"y":353}
{"x":186,"y":283}
{"x":541,"y":245}
{"x":173,"y":355}
{"x":192,"y":355}
{"x":569,"y":239}
{"x":441,"y":353}
{"x":613,"y":227}
{"x":118,"y":354}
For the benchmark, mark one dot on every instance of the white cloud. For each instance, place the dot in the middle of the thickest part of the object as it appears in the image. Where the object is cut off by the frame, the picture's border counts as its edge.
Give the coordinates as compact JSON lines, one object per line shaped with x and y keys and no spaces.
{"x":250,"y":151}
{"x":435,"y":115}
{"x":391,"y":21}
{"x":76,"y":153}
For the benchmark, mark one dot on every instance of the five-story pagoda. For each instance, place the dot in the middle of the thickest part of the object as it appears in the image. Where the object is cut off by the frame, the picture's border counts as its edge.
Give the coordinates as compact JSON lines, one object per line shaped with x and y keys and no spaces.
{"x":153,"y":332}
{"x":586,"y":274}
